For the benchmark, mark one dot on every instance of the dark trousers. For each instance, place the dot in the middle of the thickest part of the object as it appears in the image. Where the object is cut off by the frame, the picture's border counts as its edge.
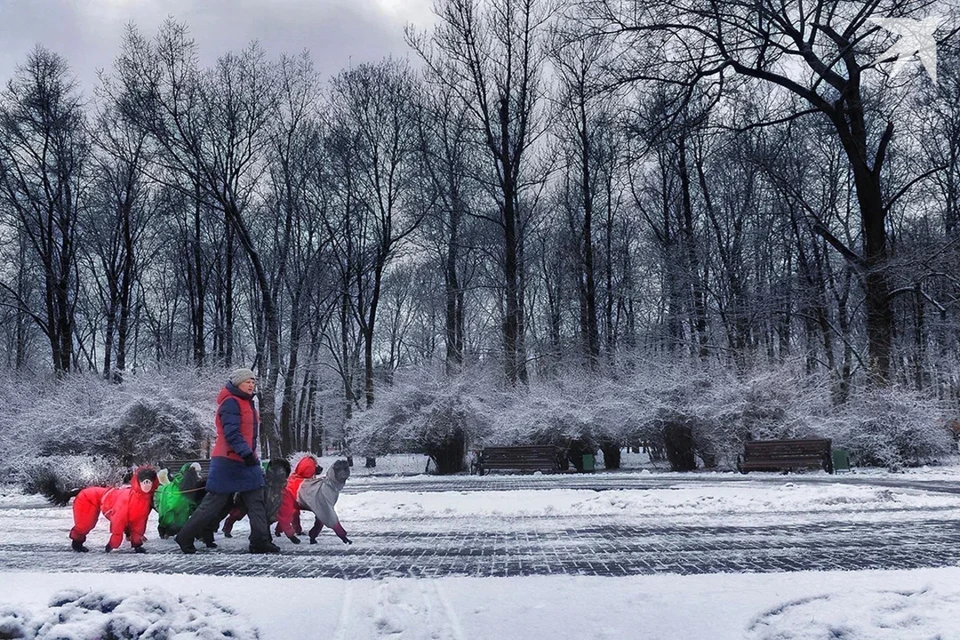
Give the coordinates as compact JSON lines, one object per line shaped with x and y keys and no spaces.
{"x":211,"y":510}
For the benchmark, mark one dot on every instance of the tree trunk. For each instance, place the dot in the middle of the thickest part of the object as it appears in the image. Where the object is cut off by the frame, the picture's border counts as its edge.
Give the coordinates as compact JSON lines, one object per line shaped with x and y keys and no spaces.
{"x":587,"y":265}
{"x":690,"y":248}
{"x":879,"y":309}
{"x":287,"y":436}
{"x":511,"y":270}
{"x":453,"y":313}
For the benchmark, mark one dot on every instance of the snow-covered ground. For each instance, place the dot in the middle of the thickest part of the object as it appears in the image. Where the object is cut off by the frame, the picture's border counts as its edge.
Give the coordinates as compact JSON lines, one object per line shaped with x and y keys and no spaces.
{"x":867,"y":605}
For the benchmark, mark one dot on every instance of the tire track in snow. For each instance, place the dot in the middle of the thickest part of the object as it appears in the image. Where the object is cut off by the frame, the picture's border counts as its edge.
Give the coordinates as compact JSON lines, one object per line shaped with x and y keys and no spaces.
{"x":452,"y":616}
{"x":341,"y":632}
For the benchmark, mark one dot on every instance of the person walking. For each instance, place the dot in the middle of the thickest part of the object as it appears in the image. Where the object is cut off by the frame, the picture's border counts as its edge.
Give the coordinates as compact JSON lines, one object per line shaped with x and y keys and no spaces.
{"x":234,"y":468}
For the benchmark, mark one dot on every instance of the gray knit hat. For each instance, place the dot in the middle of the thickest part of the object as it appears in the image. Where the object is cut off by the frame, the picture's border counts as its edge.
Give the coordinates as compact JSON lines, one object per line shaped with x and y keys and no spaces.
{"x":238,"y":376}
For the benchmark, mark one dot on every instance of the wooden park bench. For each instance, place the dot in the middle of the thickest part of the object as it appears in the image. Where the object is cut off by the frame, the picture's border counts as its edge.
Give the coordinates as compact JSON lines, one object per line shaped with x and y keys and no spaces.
{"x":174,"y":466}
{"x":528,"y":457}
{"x":785,"y":455}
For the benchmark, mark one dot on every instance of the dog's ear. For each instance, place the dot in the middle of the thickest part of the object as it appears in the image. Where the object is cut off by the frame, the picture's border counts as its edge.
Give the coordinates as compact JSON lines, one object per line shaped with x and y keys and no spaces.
{"x":163,"y":477}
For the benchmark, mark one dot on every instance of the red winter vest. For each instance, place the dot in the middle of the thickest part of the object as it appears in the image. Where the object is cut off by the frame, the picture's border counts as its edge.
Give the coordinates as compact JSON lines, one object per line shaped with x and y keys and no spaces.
{"x":249,"y":420}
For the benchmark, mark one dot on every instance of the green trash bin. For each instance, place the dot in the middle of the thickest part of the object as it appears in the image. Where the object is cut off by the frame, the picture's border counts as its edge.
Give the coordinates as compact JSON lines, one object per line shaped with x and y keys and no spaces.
{"x":589,"y":463}
{"x":841,"y":459}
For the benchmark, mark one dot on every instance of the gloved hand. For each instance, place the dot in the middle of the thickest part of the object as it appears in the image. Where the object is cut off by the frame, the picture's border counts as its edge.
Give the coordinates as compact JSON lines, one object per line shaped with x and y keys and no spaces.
{"x":250,"y":460}
{"x":294,"y":539}
{"x":108,"y":548}
{"x":139,"y":549}
{"x":346,"y":540}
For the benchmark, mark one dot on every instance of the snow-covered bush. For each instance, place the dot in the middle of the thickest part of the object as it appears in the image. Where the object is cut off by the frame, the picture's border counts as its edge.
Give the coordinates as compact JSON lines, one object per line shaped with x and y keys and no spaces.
{"x":551,"y":413}
{"x":149,"y":430}
{"x":67,"y":472}
{"x":891,"y":428}
{"x":145,"y":430}
{"x":147,"y":418}
{"x":574,"y":408}
{"x":707,"y":412}
{"x":148,"y":613}
{"x":433,"y":416}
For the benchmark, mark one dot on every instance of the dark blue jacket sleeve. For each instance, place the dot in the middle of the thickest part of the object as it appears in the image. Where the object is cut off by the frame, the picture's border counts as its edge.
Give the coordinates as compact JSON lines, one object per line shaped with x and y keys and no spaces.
{"x":230,"y":419}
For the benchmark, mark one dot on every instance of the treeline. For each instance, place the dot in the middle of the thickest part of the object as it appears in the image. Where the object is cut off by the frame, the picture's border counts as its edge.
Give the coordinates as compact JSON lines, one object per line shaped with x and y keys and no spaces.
{"x":547,"y":187}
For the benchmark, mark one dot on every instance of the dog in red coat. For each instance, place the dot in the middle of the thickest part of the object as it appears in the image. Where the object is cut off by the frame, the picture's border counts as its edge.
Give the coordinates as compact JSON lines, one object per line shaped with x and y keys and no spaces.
{"x":127,"y":508}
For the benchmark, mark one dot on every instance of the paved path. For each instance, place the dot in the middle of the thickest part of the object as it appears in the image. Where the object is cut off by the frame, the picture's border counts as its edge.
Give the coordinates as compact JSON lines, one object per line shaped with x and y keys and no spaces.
{"x":636,"y":481}
{"x":520,"y":546}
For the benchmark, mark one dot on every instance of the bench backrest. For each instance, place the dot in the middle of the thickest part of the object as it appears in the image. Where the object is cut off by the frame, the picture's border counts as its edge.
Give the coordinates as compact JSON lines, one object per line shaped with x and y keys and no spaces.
{"x":520,"y":453}
{"x":771,"y":449}
{"x":174,"y":466}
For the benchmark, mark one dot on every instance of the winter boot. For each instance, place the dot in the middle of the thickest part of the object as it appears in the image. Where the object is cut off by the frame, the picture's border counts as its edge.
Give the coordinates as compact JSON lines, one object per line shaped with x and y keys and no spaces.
{"x":76,"y":545}
{"x":186,"y":547}
{"x":266,"y":547}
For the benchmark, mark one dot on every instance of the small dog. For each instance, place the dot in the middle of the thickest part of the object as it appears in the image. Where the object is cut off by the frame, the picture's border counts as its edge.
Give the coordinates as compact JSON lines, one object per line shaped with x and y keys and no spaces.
{"x":127,"y":508}
{"x":275,"y":480}
{"x":177,"y":498}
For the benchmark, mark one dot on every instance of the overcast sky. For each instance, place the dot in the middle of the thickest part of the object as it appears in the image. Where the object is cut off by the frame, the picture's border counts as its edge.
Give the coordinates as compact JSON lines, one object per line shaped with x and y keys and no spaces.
{"x":88,"y":32}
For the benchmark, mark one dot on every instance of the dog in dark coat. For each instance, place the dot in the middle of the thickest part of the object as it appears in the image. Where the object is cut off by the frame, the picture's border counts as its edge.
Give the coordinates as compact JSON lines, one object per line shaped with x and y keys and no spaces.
{"x":275,"y":480}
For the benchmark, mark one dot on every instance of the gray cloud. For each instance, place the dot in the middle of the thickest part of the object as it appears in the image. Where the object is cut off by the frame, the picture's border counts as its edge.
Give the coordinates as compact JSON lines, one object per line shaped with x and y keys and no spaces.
{"x":88,"y":32}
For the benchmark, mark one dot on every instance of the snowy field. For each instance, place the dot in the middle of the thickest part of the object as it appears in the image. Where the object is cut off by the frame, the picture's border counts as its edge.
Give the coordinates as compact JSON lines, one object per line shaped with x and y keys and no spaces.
{"x":892,"y":604}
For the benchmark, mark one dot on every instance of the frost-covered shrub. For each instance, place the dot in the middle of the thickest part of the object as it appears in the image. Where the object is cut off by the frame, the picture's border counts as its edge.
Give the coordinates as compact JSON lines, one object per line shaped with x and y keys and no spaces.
{"x":435,"y":417}
{"x":147,"y":613}
{"x":67,"y":472}
{"x":697,"y":414}
{"x":548,"y":414}
{"x":891,"y":428}
{"x":144,"y":430}
{"x":713,"y":411}
{"x":151,"y":429}
{"x":441,"y":417}
{"x":147,"y":418}
{"x":579,"y":412}
{"x":692,"y":413}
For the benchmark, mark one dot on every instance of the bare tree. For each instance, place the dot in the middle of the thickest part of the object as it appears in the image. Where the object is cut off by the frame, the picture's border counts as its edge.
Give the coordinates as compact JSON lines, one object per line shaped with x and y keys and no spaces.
{"x":210,"y":127}
{"x":295,"y":157}
{"x":447,"y":141}
{"x":586,"y":125}
{"x":118,"y":227}
{"x":683,"y":43}
{"x":492,"y":55}
{"x":379,"y":105}
{"x":43,"y":163}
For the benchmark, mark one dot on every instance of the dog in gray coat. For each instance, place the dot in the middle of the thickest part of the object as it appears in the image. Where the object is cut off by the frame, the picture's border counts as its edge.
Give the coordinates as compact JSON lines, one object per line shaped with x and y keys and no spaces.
{"x":320,"y":495}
